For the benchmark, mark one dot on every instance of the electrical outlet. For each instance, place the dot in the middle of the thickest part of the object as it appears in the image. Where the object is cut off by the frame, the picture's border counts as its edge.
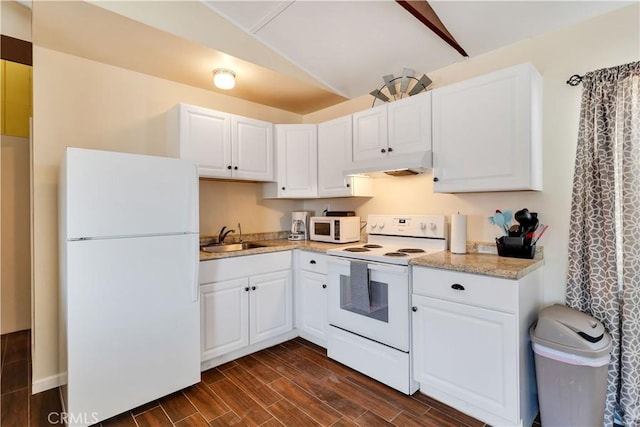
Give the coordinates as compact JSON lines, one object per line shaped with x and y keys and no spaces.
{"x":327,"y":207}
{"x":487,"y":249}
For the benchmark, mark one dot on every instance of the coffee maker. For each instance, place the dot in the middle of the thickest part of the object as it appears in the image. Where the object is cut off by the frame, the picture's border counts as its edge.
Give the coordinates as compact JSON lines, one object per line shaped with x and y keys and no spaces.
{"x":299,"y":224}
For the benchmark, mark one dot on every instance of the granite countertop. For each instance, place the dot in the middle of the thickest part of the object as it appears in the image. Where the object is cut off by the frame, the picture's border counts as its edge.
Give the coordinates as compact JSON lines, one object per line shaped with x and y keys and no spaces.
{"x":485,"y":264}
{"x":276,"y":245}
{"x":471,"y":262}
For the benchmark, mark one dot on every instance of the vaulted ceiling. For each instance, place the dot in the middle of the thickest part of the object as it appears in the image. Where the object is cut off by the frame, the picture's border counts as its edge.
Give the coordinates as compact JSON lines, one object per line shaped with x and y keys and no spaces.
{"x":299,"y":56}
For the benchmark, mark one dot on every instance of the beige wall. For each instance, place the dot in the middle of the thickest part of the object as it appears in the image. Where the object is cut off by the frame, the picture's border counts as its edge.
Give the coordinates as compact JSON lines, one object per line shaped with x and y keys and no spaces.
{"x":607,"y":41}
{"x":15,"y":20}
{"x":83,"y":103}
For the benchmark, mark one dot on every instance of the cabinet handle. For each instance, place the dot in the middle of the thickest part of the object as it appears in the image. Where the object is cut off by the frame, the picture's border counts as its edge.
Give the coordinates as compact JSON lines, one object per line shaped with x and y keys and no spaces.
{"x":253,"y":288}
{"x":313,"y":261}
{"x":435,"y":179}
{"x":246,"y":289}
{"x":457,"y":287}
{"x":414,"y":309}
{"x":235,"y":168}
{"x":229,"y":167}
{"x":390,"y":149}
{"x":383,"y":151}
{"x":324,"y":286}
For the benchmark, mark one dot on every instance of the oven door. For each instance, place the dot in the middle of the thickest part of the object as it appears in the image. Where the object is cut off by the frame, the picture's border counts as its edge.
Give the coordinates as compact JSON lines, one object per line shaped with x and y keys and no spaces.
{"x":378,"y":311}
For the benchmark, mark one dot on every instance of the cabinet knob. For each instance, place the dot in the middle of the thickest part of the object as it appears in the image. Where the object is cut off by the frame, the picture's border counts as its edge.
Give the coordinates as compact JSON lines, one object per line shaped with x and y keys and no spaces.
{"x":235,"y":168}
{"x":246,"y":289}
{"x":383,"y":150}
{"x":435,"y":179}
{"x":253,"y":288}
{"x":324,"y":286}
{"x":390,"y":149}
{"x":457,"y":287}
{"x":414,"y":309}
{"x":348,"y":185}
{"x":313,"y":261}
{"x":229,"y":167}
{"x":282,"y":188}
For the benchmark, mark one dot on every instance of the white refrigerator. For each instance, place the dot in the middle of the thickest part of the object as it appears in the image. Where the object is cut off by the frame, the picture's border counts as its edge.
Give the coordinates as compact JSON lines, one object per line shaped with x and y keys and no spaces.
{"x":129,"y":253}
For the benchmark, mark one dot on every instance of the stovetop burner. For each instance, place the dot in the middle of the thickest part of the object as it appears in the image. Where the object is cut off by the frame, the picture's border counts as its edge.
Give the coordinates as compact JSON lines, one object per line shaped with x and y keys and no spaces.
{"x":411,"y":250}
{"x":357,"y":249}
{"x":395,"y":254}
{"x":397,"y":239}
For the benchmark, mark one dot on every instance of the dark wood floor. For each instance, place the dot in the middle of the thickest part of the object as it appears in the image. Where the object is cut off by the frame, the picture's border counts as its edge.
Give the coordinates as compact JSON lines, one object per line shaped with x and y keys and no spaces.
{"x":292,"y":384}
{"x":19,"y":407}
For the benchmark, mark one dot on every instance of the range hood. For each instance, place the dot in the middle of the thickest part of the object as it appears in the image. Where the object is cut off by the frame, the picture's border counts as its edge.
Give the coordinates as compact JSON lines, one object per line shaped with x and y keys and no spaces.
{"x":396,"y":165}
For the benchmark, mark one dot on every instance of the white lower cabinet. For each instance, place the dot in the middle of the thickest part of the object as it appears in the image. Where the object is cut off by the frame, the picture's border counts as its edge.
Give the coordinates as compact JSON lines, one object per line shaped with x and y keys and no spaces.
{"x":242,"y":315}
{"x":224,"y":310}
{"x":311,"y":297}
{"x":471,"y":346}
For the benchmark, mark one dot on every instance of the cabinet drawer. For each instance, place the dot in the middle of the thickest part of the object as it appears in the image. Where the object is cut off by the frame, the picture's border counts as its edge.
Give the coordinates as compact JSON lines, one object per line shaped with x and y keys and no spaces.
{"x":312,"y":261}
{"x":217,"y":270}
{"x":465,"y":288}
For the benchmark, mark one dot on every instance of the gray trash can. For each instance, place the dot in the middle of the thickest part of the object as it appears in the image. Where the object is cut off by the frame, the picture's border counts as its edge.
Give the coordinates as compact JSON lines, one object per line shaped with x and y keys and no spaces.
{"x":571,"y":351}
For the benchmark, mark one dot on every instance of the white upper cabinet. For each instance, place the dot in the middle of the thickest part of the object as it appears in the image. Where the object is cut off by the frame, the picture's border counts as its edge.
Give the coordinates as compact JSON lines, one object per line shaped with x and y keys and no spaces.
{"x":370,"y":137}
{"x":334,"y":145}
{"x":223,"y":145}
{"x":297,"y":161}
{"x":252,"y":149}
{"x":487,"y":133}
{"x":409,"y":125}
{"x":392,"y":136}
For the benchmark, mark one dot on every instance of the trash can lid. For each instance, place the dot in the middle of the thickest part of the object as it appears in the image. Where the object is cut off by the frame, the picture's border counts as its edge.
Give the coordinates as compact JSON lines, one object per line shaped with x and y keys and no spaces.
{"x":562,"y":328}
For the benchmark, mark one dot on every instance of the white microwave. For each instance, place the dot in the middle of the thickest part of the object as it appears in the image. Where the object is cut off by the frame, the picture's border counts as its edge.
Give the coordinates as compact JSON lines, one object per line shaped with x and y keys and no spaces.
{"x":335,"y":229}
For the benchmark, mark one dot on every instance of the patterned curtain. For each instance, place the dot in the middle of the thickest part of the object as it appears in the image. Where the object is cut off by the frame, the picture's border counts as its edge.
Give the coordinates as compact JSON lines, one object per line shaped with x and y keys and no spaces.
{"x":604,"y":242}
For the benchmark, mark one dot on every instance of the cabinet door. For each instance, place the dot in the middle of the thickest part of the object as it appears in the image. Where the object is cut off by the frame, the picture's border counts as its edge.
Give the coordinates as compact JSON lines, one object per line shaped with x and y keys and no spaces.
{"x":224,"y":312}
{"x":205,"y":138}
{"x":252,"y":149}
{"x":370,"y":139}
{"x":297,"y":153}
{"x":313,"y":310}
{"x":409,"y":124}
{"x":334,"y":145}
{"x":271,"y":305}
{"x":465,"y":355}
{"x":487,"y":133}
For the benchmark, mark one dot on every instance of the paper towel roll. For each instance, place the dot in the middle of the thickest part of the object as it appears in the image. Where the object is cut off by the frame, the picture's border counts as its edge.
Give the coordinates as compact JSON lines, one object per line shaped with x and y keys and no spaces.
{"x":458,"y":241}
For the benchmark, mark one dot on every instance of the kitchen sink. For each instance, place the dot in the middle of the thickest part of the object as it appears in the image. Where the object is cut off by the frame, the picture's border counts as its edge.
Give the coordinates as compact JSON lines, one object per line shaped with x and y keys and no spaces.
{"x":231,"y":247}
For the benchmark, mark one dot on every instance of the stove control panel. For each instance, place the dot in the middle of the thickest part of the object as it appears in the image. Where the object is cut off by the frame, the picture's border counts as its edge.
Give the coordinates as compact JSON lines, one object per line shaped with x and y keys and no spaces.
{"x":432,"y":226}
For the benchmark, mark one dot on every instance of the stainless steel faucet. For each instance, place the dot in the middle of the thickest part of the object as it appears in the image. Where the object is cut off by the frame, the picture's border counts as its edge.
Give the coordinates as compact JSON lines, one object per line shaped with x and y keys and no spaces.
{"x":223,"y":234}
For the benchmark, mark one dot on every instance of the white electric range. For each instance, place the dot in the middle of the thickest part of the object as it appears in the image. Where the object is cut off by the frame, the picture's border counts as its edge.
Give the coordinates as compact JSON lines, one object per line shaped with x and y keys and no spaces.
{"x":369,"y":296}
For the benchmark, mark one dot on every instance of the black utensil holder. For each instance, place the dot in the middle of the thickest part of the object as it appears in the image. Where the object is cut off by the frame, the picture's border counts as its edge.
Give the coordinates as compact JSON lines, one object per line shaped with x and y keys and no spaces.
{"x":515,"y":247}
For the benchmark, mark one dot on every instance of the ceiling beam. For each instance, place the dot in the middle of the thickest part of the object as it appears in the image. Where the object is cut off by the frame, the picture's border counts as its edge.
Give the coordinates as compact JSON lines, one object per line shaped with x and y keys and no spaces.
{"x":423,"y":12}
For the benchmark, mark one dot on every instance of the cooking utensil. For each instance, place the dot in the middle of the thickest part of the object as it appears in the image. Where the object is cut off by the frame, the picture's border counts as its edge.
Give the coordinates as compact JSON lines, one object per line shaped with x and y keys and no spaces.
{"x":507,"y":215}
{"x":539,"y":235}
{"x":498,"y":219}
{"x":524,"y":217}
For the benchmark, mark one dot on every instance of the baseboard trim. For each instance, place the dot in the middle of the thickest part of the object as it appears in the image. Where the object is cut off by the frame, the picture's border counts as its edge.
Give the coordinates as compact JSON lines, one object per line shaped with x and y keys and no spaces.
{"x":48,"y":383}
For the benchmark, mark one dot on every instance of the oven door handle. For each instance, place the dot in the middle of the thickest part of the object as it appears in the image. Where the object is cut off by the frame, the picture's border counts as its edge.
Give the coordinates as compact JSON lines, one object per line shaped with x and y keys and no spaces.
{"x":388,"y":268}
{"x":373,"y":266}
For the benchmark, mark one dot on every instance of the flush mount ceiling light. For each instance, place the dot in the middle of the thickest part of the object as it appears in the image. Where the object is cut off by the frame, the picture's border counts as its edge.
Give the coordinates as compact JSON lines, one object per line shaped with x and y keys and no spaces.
{"x":224,"y":78}
{"x":405,"y":79}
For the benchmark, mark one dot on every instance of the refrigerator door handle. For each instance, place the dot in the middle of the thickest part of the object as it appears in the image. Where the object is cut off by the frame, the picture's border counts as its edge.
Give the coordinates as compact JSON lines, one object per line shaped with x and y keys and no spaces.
{"x":195,"y":279}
